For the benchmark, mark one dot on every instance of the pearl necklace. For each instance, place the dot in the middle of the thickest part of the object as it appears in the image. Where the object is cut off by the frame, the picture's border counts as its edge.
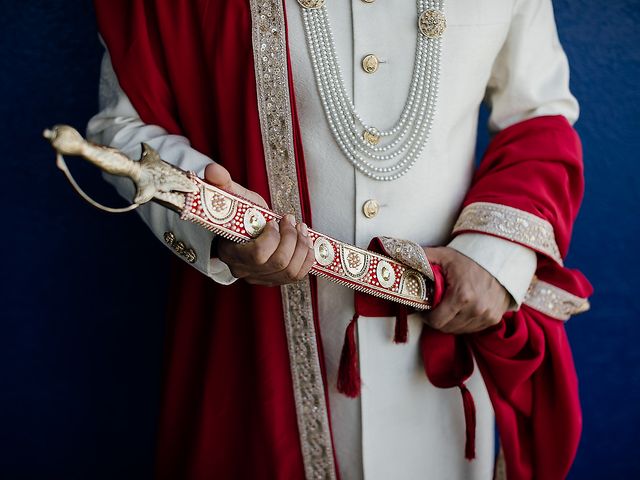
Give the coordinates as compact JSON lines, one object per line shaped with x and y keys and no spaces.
{"x":399,"y":147}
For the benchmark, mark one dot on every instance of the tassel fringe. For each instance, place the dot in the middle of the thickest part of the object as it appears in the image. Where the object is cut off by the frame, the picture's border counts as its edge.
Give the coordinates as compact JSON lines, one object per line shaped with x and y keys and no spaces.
{"x":402,"y":327}
{"x":349,"y":370}
{"x":470,"y":421}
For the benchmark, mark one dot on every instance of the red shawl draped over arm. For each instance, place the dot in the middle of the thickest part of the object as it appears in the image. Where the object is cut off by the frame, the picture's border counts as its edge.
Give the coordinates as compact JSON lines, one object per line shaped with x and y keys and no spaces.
{"x":535,"y":167}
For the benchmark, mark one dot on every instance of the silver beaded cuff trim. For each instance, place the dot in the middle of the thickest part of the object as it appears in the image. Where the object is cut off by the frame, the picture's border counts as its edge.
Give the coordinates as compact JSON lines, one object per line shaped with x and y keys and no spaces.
{"x":553,"y":301}
{"x":409,"y":253}
{"x":510,"y":223}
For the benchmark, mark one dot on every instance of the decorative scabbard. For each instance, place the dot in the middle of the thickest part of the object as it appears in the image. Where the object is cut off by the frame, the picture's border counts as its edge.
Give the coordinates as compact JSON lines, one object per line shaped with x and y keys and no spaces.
{"x":240,"y":220}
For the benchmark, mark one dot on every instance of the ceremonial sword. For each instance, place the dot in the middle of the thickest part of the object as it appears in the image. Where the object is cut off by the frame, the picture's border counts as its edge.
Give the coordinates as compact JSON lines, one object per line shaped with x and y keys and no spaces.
{"x":240,"y":220}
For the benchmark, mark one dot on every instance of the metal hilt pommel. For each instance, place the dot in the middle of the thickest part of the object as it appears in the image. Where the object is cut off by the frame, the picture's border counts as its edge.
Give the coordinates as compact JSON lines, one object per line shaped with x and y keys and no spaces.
{"x":154,"y":179}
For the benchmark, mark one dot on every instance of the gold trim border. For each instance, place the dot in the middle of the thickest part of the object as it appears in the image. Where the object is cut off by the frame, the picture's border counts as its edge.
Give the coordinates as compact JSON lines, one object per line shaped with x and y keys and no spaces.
{"x":510,"y":223}
{"x":276,"y":122}
{"x":554,"y":301}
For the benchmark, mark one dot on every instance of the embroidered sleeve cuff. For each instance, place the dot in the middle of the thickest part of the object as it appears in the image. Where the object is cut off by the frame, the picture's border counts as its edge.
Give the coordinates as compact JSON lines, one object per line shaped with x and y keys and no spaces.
{"x":510,"y":263}
{"x":118,"y":124}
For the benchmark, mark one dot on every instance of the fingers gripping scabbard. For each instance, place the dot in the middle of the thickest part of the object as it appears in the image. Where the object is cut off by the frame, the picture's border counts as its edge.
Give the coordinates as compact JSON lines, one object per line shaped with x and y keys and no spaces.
{"x":240,"y":220}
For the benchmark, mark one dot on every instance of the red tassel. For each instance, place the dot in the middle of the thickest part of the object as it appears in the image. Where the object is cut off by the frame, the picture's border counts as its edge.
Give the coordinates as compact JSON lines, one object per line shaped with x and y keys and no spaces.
{"x":470,"y":421}
{"x":402,"y":326}
{"x":349,"y":371}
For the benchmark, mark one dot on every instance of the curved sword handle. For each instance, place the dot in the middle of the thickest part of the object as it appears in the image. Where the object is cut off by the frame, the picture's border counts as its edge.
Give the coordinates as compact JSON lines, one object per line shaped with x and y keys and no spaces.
{"x":154,"y":179}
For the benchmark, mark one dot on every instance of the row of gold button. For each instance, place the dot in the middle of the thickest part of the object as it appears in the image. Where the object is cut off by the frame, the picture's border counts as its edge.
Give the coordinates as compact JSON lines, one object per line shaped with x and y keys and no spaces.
{"x":370,"y":62}
{"x":180,"y":248}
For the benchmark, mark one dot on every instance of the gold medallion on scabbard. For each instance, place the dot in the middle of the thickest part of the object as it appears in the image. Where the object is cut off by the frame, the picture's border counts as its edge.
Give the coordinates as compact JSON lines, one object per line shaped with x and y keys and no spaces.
{"x":413,"y":285}
{"x":354,"y":262}
{"x":385,"y":274}
{"x":432,"y":23}
{"x":219,"y":207}
{"x":324,"y":252}
{"x":254,"y":222}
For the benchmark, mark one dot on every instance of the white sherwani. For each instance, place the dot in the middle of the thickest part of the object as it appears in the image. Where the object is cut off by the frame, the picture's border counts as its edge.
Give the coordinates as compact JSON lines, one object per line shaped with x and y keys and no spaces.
{"x":505,"y":51}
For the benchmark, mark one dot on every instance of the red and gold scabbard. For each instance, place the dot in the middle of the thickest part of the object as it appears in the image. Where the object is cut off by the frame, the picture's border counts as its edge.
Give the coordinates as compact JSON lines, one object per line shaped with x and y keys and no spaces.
{"x":406,"y":278}
{"x":240,"y":220}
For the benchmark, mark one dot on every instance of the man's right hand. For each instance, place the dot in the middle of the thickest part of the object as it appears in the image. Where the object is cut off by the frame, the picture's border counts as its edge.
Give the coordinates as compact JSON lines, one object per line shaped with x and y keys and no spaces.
{"x":282,"y":253}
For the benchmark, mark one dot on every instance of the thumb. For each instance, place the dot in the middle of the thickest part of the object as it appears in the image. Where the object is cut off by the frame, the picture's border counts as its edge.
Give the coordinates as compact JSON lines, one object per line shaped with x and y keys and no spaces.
{"x":217,"y":175}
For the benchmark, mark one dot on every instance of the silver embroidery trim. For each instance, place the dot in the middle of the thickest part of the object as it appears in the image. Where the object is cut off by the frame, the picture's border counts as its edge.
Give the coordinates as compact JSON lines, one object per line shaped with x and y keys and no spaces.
{"x":500,"y":468}
{"x":409,"y":253}
{"x":274,"y":108}
{"x":554,"y":301}
{"x":510,"y":223}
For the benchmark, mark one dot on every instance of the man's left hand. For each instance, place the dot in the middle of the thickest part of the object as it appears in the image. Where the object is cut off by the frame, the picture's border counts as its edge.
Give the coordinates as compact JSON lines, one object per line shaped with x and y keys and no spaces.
{"x":473,"y":300}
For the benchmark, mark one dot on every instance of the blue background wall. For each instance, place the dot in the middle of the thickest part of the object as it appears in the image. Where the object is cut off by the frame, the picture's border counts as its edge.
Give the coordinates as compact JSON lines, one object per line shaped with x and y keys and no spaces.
{"x":81,"y":341}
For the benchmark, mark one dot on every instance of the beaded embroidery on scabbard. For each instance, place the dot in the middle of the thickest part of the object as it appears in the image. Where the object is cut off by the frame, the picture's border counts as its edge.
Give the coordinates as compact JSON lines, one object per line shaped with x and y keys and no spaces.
{"x":240,"y":220}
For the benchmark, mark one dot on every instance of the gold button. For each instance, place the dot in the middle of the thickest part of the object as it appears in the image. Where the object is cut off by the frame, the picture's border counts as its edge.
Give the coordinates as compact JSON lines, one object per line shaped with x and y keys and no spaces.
{"x":432,"y":23}
{"x":370,"y":208}
{"x":180,"y":248}
{"x":190,"y":255}
{"x":371,"y":136}
{"x":170,"y":238}
{"x":370,"y":63}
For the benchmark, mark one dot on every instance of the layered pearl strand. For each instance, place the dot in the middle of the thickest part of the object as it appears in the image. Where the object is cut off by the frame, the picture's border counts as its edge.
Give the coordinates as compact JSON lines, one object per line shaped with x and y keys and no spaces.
{"x":398,"y":147}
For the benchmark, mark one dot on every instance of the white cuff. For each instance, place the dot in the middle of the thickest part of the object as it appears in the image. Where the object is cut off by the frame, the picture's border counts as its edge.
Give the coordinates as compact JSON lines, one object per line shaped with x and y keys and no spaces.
{"x":199,"y":239}
{"x":219,"y":271}
{"x":510,"y":263}
{"x":119,"y":125}
{"x":170,"y":230}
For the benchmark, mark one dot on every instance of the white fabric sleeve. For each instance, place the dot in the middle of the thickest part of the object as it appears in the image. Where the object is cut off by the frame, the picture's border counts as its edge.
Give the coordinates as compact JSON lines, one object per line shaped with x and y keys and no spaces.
{"x":510,"y":263}
{"x":530,"y":76}
{"x":119,"y":125}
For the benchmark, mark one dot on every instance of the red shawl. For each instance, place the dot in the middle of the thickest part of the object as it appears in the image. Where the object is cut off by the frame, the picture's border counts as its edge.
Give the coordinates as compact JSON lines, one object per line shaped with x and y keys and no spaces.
{"x":526,"y":361}
{"x":228,"y":408}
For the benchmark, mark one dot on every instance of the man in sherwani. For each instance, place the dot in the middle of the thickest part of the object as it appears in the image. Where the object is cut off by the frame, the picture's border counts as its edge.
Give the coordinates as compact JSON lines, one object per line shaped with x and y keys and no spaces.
{"x":215,"y":422}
